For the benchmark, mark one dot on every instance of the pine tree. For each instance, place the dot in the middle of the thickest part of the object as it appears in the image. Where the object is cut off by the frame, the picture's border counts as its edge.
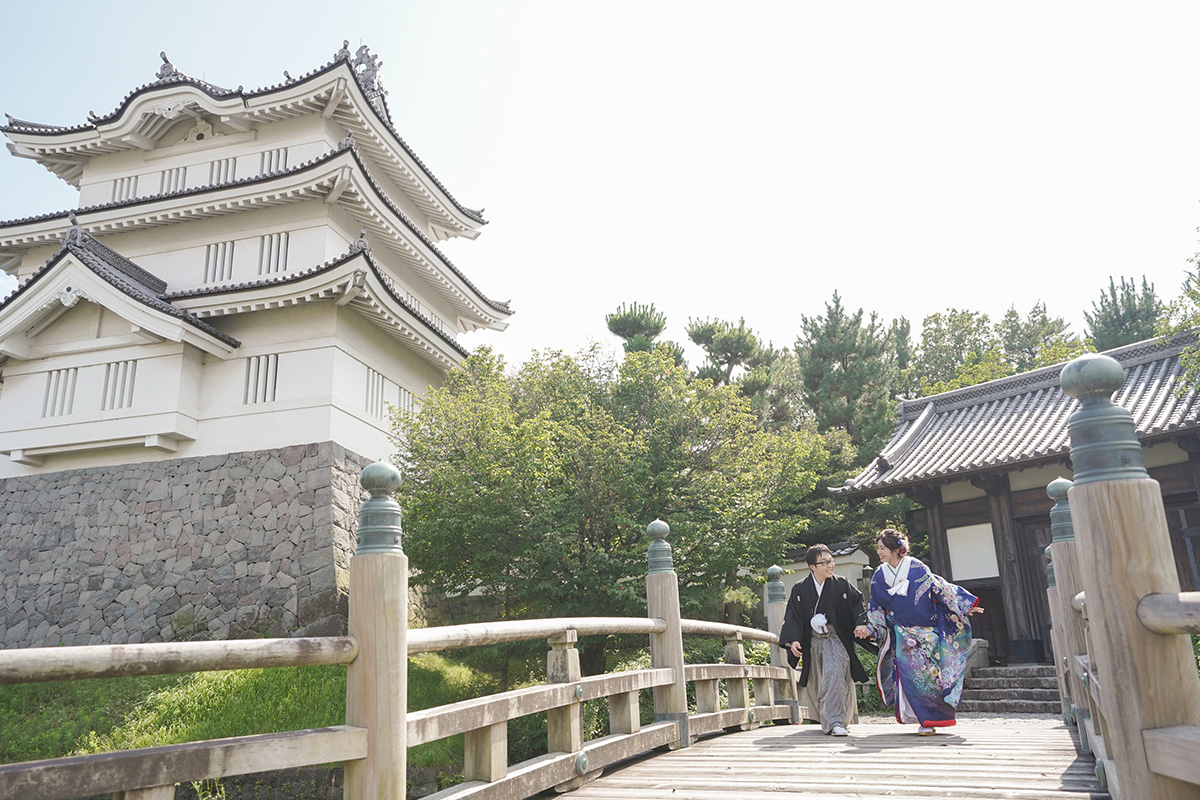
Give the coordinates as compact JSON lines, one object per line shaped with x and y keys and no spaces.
{"x":1125,"y":315}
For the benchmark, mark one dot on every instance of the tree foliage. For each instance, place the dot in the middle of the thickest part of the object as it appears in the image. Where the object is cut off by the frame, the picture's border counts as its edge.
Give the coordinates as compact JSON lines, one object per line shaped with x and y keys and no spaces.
{"x":639,"y":325}
{"x":534,"y":488}
{"x":848,"y":374}
{"x":1124,"y":316}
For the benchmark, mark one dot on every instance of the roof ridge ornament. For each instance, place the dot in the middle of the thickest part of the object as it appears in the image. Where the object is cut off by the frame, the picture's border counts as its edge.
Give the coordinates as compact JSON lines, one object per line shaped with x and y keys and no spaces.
{"x":167,"y":71}
{"x":344,"y":53}
{"x":75,"y":233}
{"x":367,"y":66}
{"x":360,"y":244}
{"x":347,"y":142}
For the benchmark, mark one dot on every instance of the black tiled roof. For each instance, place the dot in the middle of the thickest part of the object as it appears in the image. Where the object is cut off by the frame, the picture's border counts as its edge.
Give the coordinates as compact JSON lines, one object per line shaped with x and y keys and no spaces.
{"x":305,"y":166}
{"x":293,"y":277}
{"x":21,"y":126}
{"x":122,"y":273}
{"x":1021,"y":421}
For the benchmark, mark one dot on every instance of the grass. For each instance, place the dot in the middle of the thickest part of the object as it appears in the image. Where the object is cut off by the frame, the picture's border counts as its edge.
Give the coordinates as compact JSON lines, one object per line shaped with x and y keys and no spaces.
{"x":48,"y":720}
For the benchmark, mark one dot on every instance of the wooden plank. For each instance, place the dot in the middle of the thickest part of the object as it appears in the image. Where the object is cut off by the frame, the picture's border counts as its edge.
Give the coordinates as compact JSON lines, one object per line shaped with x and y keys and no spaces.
{"x":35,"y":664}
{"x":1028,"y":758}
{"x":1174,"y":752}
{"x":105,"y":773}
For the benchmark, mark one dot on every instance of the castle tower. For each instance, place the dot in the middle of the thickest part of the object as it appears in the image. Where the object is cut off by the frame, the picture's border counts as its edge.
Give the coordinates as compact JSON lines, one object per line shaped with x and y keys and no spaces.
{"x":201,"y":357}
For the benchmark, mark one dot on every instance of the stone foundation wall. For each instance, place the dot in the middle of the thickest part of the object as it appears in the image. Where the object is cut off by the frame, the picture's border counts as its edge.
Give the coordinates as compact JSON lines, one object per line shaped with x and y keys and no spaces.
{"x":218,"y":547}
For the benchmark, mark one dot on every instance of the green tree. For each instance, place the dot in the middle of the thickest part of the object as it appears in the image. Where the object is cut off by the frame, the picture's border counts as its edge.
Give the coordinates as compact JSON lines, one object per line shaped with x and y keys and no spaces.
{"x":534,"y":488}
{"x":1124,"y":316}
{"x":1028,"y":342}
{"x":949,"y":340}
{"x":639,"y":325}
{"x":727,"y":348}
{"x":848,"y":372}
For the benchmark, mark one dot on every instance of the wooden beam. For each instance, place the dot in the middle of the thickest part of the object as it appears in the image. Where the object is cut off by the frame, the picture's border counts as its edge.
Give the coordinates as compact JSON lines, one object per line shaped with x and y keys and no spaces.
{"x":1004,"y":536}
{"x":1172,"y":752}
{"x":104,"y":773}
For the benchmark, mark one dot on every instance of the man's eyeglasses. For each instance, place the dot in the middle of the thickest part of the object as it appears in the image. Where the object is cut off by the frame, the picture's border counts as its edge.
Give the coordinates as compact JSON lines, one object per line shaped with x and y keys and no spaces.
{"x":828,"y":562}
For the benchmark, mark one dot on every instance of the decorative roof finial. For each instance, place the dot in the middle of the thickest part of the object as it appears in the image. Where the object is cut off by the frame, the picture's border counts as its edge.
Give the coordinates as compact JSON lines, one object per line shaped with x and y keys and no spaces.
{"x":167,"y":70}
{"x":344,"y":53}
{"x":360,"y":244}
{"x":74,"y":234}
{"x":347,"y":142}
{"x":287,"y":76}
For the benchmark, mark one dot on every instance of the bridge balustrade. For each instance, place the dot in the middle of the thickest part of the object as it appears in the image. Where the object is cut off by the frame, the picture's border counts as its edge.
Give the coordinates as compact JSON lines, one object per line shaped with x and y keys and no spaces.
{"x":1120,"y":625}
{"x":373,"y":743}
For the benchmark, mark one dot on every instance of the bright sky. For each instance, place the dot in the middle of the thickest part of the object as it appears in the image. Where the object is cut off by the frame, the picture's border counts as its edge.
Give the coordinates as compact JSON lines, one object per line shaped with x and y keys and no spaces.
{"x":719,"y":159}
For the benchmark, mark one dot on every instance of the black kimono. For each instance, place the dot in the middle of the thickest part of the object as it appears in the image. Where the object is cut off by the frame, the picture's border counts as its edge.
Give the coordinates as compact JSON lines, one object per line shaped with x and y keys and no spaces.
{"x":842,"y":605}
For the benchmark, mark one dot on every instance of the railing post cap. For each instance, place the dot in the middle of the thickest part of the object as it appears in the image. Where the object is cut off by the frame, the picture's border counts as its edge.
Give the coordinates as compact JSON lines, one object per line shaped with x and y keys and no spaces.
{"x":658,"y":529}
{"x":1092,"y":375}
{"x":1058,"y":488}
{"x":382,"y":476}
{"x":379,"y":517}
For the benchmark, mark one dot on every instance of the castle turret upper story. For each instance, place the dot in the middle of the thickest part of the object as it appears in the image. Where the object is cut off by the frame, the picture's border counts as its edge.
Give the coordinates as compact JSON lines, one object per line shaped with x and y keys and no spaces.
{"x":246,"y":269}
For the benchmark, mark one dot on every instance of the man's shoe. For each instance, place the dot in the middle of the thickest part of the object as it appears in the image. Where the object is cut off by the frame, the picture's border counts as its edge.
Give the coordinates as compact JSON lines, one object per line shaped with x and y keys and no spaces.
{"x":838,"y":730}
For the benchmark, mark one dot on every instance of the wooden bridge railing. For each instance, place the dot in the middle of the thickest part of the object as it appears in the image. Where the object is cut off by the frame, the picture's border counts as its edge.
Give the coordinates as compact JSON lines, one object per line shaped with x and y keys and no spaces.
{"x":378,"y":730}
{"x":1127,"y":670}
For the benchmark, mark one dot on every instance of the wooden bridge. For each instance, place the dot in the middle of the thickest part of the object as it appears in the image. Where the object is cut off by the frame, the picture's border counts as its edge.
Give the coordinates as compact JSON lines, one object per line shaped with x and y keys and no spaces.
{"x":1127,"y":676}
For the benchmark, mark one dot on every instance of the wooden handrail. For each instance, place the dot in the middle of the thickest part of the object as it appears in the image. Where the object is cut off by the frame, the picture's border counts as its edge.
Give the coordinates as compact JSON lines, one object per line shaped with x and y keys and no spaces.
{"x":1170,"y":613}
{"x":432,"y":640}
{"x":35,"y":664}
{"x":705,"y":628}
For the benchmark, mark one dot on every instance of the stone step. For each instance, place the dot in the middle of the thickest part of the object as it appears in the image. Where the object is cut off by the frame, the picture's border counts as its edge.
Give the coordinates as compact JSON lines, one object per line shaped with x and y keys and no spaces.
{"x":1010,"y":706}
{"x":1015,"y":671}
{"x":1018,"y":684}
{"x":1040,"y":695}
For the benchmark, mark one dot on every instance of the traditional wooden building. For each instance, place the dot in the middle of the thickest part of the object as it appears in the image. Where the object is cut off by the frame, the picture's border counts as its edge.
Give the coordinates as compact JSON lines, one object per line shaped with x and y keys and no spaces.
{"x":977,"y":462}
{"x":201,"y":356}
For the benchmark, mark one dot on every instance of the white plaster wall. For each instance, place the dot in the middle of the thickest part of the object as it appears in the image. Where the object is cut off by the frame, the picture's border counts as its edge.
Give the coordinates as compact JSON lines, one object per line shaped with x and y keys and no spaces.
{"x":972,"y":552}
{"x":1038,"y":478}
{"x":1163,"y":454}
{"x":960,"y":490}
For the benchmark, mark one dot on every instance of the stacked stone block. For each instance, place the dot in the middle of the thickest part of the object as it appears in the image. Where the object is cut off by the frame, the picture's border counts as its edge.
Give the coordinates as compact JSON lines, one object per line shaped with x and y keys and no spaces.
{"x":218,"y":547}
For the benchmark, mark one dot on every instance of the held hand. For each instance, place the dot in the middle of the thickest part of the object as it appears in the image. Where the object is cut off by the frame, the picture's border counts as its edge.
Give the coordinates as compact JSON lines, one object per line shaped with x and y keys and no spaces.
{"x":861,"y":632}
{"x":975,"y":610}
{"x":795,"y":648}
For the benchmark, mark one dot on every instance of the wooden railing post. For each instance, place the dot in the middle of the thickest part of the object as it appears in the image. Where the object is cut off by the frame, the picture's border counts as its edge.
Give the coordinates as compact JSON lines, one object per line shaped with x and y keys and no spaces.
{"x":377,"y":681}
{"x":564,"y":725}
{"x":1147,"y":680}
{"x":776,"y":608}
{"x":738,"y":689}
{"x":666,"y":648}
{"x":1065,"y":583}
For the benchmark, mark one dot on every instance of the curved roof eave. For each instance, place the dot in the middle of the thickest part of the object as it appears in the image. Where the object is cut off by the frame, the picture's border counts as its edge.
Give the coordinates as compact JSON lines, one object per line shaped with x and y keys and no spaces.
{"x":226,"y":101}
{"x":333,"y":279}
{"x":501,"y":310}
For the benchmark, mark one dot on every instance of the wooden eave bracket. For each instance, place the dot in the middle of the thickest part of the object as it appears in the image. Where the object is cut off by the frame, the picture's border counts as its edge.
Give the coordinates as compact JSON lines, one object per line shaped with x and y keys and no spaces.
{"x":335,"y":98}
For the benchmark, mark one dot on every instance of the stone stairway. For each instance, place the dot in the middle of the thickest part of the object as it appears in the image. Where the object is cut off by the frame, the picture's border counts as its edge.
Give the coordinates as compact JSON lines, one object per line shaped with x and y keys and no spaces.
{"x":1017,"y":689}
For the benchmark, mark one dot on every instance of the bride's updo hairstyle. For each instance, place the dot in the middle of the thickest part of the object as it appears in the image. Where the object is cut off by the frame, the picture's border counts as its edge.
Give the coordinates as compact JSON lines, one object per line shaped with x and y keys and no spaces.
{"x":893,"y":540}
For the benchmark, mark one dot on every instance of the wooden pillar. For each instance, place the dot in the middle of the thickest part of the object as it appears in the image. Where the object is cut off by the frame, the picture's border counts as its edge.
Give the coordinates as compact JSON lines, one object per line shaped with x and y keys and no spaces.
{"x":1067,"y":624}
{"x":377,"y":680}
{"x":776,"y":609}
{"x":666,"y":648}
{"x":935,"y":523}
{"x":737,"y":690}
{"x":1022,"y":636}
{"x":1148,"y":680}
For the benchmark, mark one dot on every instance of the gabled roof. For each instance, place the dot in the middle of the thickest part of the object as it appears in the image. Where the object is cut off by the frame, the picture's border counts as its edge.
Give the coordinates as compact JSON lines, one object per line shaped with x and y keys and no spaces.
{"x":356,"y":279}
{"x":348,"y":90}
{"x":339,"y":176}
{"x":1021,"y":421}
{"x":98,"y":270}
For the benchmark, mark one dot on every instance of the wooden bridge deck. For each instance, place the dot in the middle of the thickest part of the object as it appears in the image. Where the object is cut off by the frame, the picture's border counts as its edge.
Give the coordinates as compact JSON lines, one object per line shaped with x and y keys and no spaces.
{"x":1027,"y":757}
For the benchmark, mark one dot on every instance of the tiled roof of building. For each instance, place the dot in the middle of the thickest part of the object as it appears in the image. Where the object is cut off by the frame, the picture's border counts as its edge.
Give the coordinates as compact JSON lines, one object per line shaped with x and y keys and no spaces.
{"x":120,"y":272}
{"x":168,"y":75}
{"x":1021,"y":421}
{"x":268,"y":177}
